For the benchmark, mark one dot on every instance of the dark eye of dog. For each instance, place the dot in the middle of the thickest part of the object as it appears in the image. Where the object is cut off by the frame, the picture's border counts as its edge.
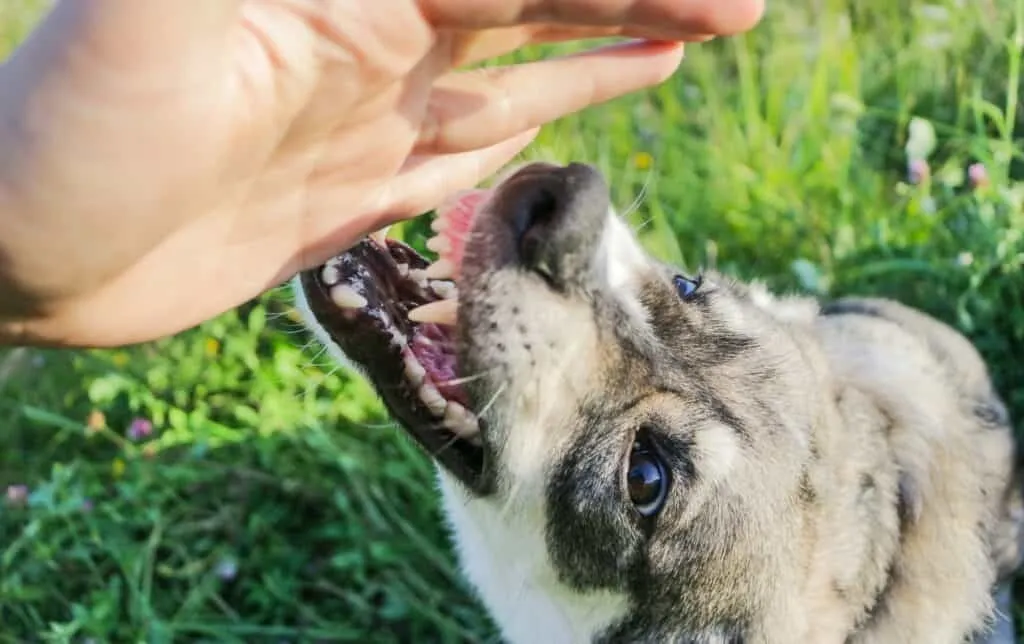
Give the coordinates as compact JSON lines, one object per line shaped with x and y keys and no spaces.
{"x":646,"y":478}
{"x":687,"y":286}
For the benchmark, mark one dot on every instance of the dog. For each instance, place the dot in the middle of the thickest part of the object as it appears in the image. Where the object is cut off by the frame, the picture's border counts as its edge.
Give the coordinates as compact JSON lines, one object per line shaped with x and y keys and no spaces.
{"x":630,"y":453}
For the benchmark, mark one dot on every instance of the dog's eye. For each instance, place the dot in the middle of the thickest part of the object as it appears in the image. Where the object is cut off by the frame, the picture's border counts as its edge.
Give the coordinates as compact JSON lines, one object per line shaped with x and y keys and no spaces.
{"x":687,"y":286}
{"x":646,"y":479}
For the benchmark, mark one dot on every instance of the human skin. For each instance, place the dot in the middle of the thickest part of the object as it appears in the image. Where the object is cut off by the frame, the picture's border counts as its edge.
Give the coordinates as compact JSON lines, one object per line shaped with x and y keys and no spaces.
{"x":163,"y":161}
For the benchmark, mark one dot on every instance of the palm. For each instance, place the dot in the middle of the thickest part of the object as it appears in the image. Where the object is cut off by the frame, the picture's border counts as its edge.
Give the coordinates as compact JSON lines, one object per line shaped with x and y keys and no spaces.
{"x":335,"y":165}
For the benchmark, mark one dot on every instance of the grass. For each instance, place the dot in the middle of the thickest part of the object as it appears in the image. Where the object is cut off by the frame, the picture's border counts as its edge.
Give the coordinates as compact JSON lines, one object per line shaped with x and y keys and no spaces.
{"x":274,"y":502}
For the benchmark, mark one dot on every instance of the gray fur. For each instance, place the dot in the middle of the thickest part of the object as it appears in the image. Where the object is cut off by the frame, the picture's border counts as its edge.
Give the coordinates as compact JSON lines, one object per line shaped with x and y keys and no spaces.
{"x":868,"y":490}
{"x":839,"y":474}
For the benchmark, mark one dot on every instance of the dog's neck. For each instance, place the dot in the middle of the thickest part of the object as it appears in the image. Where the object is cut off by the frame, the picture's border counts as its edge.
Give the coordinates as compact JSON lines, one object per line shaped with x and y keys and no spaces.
{"x":501,"y":551}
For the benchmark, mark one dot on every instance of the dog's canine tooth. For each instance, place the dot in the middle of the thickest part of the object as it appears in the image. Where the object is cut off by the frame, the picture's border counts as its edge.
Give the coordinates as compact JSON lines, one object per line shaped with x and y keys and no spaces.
{"x":445,"y":289}
{"x":346,"y":297}
{"x":439,"y":312}
{"x":433,"y":399}
{"x":439,"y":245}
{"x":441,"y":269}
{"x":439,"y":225}
{"x":403,"y":269}
{"x":331,"y":274}
{"x":414,"y":371}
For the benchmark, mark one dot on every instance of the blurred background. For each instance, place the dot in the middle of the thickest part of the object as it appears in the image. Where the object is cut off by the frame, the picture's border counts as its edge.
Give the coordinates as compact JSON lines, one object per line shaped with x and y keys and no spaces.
{"x":230,"y":485}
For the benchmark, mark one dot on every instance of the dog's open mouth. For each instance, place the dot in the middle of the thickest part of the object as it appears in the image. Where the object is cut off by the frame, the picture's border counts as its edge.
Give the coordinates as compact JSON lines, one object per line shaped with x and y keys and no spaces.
{"x":393,"y":313}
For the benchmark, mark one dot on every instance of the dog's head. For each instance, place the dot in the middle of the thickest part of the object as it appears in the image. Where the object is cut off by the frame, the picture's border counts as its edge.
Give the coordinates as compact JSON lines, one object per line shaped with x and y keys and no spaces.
{"x":658,"y":422}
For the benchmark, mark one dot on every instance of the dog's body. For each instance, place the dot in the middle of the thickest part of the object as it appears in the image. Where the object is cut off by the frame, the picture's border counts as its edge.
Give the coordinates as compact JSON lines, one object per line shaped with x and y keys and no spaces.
{"x":673,"y":459}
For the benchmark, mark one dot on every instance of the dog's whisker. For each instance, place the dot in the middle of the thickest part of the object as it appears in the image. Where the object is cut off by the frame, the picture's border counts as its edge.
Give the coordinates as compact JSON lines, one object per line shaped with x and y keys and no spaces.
{"x":464,"y":379}
{"x":446,"y":445}
{"x":643,"y":224}
{"x":638,"y":200}
{"x":493,"y":399}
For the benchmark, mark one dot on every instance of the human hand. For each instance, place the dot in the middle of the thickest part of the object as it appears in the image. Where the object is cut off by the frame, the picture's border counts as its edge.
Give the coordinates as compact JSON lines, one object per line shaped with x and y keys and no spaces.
{"x":162,"y":161}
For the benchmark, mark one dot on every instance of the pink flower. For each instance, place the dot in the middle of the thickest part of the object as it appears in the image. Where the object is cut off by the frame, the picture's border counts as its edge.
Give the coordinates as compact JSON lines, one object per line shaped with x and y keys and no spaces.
{"x":978,"y":175}
{"x":17,"y":494}
{"x":918,"y":171}
{"x":139,"y":428}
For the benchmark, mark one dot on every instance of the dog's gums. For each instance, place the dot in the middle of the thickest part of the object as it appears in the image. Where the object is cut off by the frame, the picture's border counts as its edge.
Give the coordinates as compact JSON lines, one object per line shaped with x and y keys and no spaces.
{"x":393,"y":312}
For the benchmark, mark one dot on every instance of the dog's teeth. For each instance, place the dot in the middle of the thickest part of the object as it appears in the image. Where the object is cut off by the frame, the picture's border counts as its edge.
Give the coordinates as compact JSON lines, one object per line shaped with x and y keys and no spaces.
{"x":441,"y":269}
{"x":419,"y":276}
{"x":439,"y":225}
{"x":439,"y":312}
{"x":458,"y":419}
{"x":331,"y":275}
{"x":454,"y":413}
{"x":439,"y":245}
{"x":447,"y":290}
{"x":347,"y":298}
{"x":414,"y":371}
{"x":403,"y":269}
{"x":433,"y":399}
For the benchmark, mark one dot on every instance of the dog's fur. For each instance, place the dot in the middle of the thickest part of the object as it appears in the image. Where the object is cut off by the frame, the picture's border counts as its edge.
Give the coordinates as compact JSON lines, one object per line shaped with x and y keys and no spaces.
{"x":839,"y":473}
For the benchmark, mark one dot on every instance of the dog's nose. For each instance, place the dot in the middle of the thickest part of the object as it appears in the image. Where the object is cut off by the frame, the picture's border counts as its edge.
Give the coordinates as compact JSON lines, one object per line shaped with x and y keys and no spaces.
{"x":556,"y":215}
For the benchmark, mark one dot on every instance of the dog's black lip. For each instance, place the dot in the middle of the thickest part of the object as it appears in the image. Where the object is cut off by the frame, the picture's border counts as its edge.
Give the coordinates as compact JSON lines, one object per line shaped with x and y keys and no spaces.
{"x":362,"y":336}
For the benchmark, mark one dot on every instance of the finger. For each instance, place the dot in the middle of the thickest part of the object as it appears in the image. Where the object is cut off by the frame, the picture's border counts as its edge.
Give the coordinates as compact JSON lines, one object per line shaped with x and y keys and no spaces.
{"x":147,"y":31}
{"x":474,"y":109}
{"x":670,"y":19}
{"x":427,"y":180}
{"x":474,"y":46}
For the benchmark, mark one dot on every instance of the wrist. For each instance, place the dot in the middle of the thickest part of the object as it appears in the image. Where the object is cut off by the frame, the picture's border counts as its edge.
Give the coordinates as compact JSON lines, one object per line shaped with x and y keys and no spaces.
{"x":25,"y":228}
{"x":16,"y":301}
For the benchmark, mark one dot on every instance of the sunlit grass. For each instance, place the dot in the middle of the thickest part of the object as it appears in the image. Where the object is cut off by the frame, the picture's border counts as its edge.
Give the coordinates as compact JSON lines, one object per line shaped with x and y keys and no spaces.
{"x":273,"y":500}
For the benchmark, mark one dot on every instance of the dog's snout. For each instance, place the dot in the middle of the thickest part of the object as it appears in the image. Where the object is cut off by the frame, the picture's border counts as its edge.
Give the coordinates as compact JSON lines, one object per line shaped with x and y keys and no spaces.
{"x":555,"y":215}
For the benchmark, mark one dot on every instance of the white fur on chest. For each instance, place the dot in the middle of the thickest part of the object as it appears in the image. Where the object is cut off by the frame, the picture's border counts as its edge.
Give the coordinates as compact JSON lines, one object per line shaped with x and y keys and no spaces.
{"x":502,"y":553}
